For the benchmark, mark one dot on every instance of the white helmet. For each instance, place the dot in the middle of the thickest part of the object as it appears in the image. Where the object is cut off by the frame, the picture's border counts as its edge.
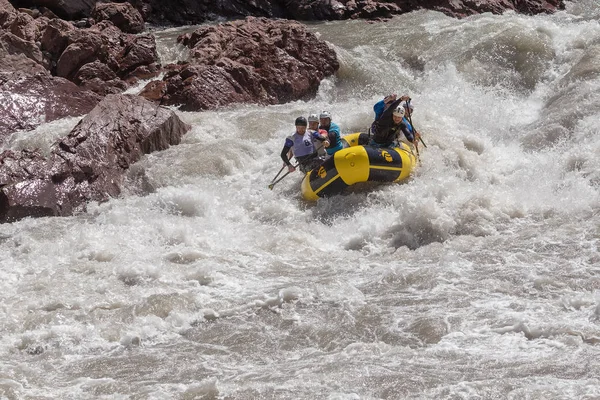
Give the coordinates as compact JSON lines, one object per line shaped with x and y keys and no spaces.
{"x":325,"y":114}
{"x":313,"y":118}
{"x":407,"y":106}
{"x":399,"y":112}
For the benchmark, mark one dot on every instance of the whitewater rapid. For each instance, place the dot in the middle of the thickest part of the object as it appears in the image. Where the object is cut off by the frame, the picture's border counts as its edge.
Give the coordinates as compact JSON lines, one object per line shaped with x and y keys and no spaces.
{"x":478,"y":278}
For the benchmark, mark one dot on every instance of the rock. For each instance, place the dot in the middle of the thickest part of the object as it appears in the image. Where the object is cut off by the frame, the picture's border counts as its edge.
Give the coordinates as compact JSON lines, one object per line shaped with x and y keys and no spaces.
{"x":255,"y":60}
{"x":122,"y":15}
{"x":65,"y":9}
{"x":89,"y":164}
{"x":7,"y":14}
{"x":26,"y":100}
{"x":181,"y":12}
{"x":99,"y":54}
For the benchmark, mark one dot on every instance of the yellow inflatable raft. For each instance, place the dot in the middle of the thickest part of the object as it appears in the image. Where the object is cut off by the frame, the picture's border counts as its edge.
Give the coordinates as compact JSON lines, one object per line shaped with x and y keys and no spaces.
{"x":355,"y":164}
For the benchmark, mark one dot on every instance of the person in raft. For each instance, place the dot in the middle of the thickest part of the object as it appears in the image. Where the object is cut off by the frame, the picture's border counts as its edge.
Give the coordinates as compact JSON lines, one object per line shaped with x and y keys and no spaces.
{"x":386,"y":129}
{"x":333,"y":133}
{"x":303,"y":144}
{"x":313,"y":125}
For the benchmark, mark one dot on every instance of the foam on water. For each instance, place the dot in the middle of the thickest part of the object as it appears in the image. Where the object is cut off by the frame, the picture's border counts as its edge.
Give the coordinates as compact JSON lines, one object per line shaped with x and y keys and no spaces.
{"x":477,"y":278}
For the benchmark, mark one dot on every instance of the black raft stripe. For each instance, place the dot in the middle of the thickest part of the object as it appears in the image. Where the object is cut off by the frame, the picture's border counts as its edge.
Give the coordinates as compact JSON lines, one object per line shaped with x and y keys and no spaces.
{"x":384,"y":158}
{"x":324,"y":175}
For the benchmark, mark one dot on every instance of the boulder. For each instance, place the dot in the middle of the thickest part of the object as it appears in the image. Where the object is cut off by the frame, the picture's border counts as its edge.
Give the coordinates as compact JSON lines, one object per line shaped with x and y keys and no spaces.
{"x":253,"y":60}
{"x":65,"y":9}
{"x":29,"y":99}
{"x":89,"y":164}
{"x":122,"y":15}
{"x":181,"y":12}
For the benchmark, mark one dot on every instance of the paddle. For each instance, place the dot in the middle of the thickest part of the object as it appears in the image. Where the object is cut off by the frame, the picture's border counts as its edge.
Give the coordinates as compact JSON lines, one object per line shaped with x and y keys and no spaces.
{"x":283,"y":176}
{"x":273,"y":180}
{"x":411,"y":124}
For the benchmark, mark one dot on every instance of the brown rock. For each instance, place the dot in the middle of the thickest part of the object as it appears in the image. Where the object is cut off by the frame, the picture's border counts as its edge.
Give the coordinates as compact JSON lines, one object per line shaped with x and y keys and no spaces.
{"x":55,"y":38}
{"x":122,"y":15}
{"x":7,"y":13}
{"x":255,"y":60}
{"x":154,"y":91}
{"x":28,"y":100}
{"x":89,"y":164}
{"x":65,"y":9}
{"x":181,"y":12}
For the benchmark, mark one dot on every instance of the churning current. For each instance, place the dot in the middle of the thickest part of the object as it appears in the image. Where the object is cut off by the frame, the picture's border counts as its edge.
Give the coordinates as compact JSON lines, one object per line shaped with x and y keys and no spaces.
{"x":478,"y":278}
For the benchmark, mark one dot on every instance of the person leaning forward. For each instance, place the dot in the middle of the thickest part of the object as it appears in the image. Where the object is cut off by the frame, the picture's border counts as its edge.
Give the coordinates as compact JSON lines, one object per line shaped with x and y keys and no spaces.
{"x":384,"y":104}
{"x":313,"y":124}
{"x":386,"y":129}
{"x":302,"y":144}
{"x":333,"y":132}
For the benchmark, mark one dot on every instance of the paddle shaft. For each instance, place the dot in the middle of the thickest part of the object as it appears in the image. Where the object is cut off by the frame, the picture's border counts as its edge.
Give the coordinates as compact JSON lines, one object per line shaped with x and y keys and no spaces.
{"x":282,"y":176}
{"x":411,"y":124}
{"x":274,"y":182}
{"x":282,"y":168}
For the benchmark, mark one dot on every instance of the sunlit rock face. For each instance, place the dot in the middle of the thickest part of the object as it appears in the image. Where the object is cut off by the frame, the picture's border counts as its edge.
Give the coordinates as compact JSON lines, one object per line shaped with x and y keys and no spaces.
{"x":28,"y":100}
{"x":88,"y":164}
{"x":40,"y":54}
{"x":122,"y":15}
{"x":102,"y":57}
{"x":254,"y":60}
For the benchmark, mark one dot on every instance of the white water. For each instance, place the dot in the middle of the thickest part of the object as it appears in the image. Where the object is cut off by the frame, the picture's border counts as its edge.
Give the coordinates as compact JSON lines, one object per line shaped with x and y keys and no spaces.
{"x":477,"y":279}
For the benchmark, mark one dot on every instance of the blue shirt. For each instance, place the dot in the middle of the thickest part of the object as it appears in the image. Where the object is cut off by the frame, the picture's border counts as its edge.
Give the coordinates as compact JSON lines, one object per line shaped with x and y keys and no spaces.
{"x":334,"y":137}
{"x":379,"y":107}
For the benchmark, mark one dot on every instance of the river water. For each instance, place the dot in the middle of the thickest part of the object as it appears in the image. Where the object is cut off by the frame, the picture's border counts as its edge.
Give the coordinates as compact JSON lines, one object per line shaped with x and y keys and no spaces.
{"x":479,"y":278}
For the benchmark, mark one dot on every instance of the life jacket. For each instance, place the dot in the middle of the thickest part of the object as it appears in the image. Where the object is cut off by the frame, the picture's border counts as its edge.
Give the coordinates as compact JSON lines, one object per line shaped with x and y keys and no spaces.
{"x":303,"y":144}
{"x":384,"y":134}
{"x":320,"y":146}
{"x":334,"y":137}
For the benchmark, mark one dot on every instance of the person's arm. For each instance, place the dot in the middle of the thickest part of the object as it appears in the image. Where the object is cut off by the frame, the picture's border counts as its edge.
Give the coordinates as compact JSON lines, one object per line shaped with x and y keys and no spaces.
{"x":334,"y":134}
{"x":284,"y":154}
{"x":317,"y":136}
{"x":325,"y":136}
{"x":386,"y":119}
{"x":407,"y":133}
{"x":378,"y":108}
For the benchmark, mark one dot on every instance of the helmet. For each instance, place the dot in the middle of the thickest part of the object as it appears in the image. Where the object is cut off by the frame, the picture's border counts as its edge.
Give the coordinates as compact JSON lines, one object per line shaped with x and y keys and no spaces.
{"x":301,"y":121}
{"x":399,"y":112}
{"x":407,"y":106}
{"x":313,"y":118}
{"x":325,"y":114}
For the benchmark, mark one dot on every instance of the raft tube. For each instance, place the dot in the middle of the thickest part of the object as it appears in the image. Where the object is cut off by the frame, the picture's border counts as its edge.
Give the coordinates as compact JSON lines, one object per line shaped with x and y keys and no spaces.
{"x":355,"y":164}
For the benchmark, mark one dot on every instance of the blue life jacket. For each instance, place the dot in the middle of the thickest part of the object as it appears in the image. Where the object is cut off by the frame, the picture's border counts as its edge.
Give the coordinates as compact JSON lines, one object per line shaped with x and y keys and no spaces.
{"x":334,"y":137}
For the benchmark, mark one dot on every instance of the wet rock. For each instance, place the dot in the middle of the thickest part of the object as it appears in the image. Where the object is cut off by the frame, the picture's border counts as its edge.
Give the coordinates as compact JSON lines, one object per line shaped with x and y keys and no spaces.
{"x":122,"y":15}
{"x":101,"y":58}
{"x":55,"y":38}
{"x":181,"y":12}
{"x":7,"y":14}
{"x":466,"y":7}
{"x":89,"y":164}
{"x":255,"y":60}
{"x":65,"y":9}
{"x":29,"y":100}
